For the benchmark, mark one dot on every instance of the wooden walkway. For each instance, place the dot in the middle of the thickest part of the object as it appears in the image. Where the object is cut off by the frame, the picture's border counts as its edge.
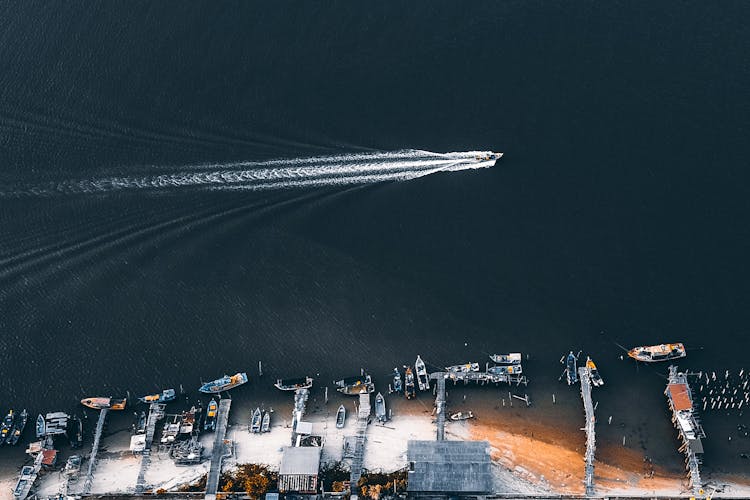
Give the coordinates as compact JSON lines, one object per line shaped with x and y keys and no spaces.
{"x":219,"y":450}
{"x":439,"y":377}
{"x":689,"y":446}
{"x":363,"y":418}
{"x":155,"y":412}
{"x":94,"y":450}
{"x":585,"y":379}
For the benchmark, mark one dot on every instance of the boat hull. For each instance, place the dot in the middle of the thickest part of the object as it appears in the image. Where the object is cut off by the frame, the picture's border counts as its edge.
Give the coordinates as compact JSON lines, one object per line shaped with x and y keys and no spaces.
{"x":224,"y":384}
{"x":657,"y":353}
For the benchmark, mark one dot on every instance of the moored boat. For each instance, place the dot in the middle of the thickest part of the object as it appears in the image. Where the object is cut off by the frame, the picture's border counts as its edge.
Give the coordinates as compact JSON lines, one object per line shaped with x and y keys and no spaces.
{"x":292,"y":384}
{"x":104,"y":403}
{"x":224,"y":383}
{"x":661,"y":352}
{"x":340,"y":417}
{"x":6,"y":427}
{"x":139,"y":424}
{"x":19,"y":425}
{"x":163,"y":397}
{"x":596,"y":379}
{"x":73,"y":466}
{"x":380,"y":413}
{"x":571,"y":369}
{"x":461,"y":416}
{"x":256,"y":421}
{"x":188,"y":421}
{"x":41,"y":426}
{"x":171,"y":429}
{"x":513,"y":358}
{"x":352,"y":386}
{"x":505,"y":369}
{"x":211,"y":412}
{"x":265,"y":426}
{"x":409,"y":390}
{"x":75,"y":432}
{"x":423,"y":380}
{"x":397,"y":386}
{"x":464,"y":368}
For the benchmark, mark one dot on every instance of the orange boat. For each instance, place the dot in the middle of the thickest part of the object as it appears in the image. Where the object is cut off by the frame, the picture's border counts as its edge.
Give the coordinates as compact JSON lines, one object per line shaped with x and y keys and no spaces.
{"x":662,"y":352}
{"x":104,"y":403}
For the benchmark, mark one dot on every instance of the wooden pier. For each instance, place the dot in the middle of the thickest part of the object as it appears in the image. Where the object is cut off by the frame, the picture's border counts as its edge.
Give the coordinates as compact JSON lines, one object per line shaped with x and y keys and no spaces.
{"x":218,"y":451}
{"x":27,"y":478}
{"x":440,"y":377}
{"x":94,"y":449}
{"x":584,"y":376}
{"x":155,"y":412}
{"x":363,"y":417}
{"x":483,"y":378}
{"x":690,"y":431}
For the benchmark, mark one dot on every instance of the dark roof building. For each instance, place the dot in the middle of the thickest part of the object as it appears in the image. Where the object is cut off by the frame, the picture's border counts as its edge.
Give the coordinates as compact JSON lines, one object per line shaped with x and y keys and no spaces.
{"x":449,"y":468}
{"x":298,"y":472}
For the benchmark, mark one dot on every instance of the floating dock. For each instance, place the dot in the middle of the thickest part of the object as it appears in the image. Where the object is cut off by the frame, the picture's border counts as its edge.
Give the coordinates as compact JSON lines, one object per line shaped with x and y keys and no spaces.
{"x":363,"y":417}
{"x":94,"y":449}
{"x":218,"y":451}
{"x":584,"y":376}
{"x":486,"y":377}
{"x":155,"y":412}
{"x":685,"y":420}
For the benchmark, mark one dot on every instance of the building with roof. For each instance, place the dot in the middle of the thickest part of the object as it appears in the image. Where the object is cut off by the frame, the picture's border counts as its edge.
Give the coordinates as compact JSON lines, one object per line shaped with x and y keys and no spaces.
{"x":449,"y":468}
{"x":298,"y":472}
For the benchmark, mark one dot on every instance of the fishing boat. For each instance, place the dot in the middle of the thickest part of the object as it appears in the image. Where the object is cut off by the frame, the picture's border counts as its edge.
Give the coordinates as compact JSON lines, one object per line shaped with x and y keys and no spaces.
{"x":464,"y":368}
{"x":505,"y":370}
{"x":461,"y":416}
{"x":380,"y":408}
{"x":171,"y":429}
{"x":75,"y":432}
{"x":164,"y":396}
{"x":352,"y":386}
{"x":41,"y":426}
{"x":661,"y":352}
{"x":292,"y":384}
{"x":104,"y":403}
{"x":265,"y":426}
{"x":188,"y":421}
{"x":423,"y":380}
{"x":224,"y":383}
{"x":513,"y":358}
{"x":571,"y":368}
{"x":397,"y":386}
{"x":409,"y":391}
{"x":139,"y":425}
{"x":210,"y":423}
{"x":596,"y":379}
{"x":340,"y":417}
{"x":6,"y":427}
{"x":18,"y":426}
{"x":256,"y":421}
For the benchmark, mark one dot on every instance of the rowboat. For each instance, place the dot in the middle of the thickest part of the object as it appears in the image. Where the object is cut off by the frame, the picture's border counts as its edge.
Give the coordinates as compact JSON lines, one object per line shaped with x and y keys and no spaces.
{"x":423,"y":381}
{"x":340,"y":417}
{"x":265,"y":426}
{"x":256,"y":421}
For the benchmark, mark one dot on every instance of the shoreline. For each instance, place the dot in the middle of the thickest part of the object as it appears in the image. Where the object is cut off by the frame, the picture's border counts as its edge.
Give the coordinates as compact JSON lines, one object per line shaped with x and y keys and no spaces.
{"x":528,"y":457}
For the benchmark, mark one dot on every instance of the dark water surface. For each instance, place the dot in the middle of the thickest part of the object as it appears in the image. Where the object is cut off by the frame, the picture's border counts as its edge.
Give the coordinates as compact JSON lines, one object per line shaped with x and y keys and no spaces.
{"x":619,"y":213}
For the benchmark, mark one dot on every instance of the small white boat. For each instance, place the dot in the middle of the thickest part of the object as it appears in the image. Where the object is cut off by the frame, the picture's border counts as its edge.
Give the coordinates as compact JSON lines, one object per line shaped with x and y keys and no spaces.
{"x":513,"y":358}
{"x":257,"y":421}
{"x":423,"y":380}
{"x":380,"y":412}
{"x":340,"y":417}
{"x":461,"y":416}
{"x":464,"y":368}
{"x":266,"y":425}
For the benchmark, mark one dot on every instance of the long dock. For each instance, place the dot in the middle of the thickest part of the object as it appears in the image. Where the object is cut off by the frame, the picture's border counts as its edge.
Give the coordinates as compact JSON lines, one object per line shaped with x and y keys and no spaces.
{"x":27,"y":478}
{"x":483,"y":378}
{"x":690,"y":431}
{"x":155,"y":412}
{"x":439,"y":377}
{"x":585,"y":378}
{"x":218,"y":452}
{"x":94,"y":450}
{"x":363,"y":417}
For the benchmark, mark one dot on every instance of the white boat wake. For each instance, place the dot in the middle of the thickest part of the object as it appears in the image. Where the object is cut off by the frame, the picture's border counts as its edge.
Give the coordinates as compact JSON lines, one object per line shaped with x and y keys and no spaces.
{"x":363,"y":168}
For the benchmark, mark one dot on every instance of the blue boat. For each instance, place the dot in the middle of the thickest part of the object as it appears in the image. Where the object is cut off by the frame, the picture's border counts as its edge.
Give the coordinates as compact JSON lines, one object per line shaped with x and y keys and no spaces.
{"x":165,"y":396}
{"x":41,"y":426}
{"x":571,"y":369}
{"x":397,"y":387}
{"x":224,"y":383}
{"x":209,"y":424}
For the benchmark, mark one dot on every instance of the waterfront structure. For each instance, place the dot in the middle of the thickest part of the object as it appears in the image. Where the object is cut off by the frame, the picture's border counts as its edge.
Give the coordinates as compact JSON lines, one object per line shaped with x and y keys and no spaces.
{"x":298,"y":472}
{"x":448,"y":468}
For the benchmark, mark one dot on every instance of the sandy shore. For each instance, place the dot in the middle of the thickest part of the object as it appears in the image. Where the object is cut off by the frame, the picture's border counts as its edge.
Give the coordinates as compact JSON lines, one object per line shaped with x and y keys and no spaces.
{"x":528,"y":457}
